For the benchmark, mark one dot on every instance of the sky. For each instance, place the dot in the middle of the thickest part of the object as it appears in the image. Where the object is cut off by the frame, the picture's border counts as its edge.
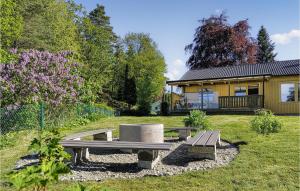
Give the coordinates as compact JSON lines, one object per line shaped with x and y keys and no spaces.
{"x":172,"y":23}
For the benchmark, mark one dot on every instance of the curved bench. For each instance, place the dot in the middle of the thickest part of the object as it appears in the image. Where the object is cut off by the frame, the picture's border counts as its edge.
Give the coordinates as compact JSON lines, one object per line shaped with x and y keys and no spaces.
{"x":147,"y":152}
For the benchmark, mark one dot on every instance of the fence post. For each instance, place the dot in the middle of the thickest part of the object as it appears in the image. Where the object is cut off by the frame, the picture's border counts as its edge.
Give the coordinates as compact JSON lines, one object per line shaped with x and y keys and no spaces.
{"x":42,"y":116}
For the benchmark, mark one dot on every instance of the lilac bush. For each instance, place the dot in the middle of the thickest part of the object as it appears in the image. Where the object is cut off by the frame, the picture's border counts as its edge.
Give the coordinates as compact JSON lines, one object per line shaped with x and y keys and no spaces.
{"x":37,"y":76}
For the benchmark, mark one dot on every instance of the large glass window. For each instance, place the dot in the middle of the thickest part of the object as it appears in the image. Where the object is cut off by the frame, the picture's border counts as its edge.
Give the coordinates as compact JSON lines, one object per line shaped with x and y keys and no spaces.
{"x":191,"y":101}
{"x":287,"y":92}
{"x":210,"y":98}
{"x":240,"y":91}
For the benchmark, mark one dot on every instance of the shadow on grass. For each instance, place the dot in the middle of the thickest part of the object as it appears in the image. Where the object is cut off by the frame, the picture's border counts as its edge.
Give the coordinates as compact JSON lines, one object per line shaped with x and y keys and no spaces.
{"x":238,"y":143}
{"x":27,"y":160}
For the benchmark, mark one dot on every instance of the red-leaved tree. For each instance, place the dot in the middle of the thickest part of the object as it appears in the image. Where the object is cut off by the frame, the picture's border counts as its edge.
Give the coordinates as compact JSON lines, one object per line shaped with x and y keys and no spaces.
{"x":217,"y":43}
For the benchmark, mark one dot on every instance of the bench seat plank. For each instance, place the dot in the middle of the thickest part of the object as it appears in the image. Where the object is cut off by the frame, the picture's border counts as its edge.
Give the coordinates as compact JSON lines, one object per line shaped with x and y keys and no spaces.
{"x":192,"y":141}
{"x":213,"y":139}
{"x":115,"y":145}
{"x":87,"y":133}
{"x":204,"y":139}
{"x":203,"y":145}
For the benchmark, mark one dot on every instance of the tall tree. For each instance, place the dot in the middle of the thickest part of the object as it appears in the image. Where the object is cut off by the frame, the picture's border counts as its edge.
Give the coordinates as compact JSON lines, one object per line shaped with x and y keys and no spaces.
{"x":11,"y":25}
{"x":147,"y":66}
{"x":266,"y":47}
{"x":117,"y":84}
{"x":217,"y":43}
{"x":98,"y":50}
{"x":130,"y":96}
{"x":48,"y":25}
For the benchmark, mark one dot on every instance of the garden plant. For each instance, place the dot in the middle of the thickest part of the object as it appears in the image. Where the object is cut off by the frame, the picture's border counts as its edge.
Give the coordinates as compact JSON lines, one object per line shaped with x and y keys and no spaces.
{"x":198,"y":119}
{"x":265,"y":122}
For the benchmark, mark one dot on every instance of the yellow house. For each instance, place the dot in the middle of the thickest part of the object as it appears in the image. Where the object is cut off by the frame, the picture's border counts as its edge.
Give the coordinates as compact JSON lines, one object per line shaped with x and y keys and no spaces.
{"x":246,"y":87}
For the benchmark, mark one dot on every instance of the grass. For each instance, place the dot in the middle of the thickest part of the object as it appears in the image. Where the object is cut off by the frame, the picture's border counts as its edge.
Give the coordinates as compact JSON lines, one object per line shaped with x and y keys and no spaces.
{"x":264,"y":163}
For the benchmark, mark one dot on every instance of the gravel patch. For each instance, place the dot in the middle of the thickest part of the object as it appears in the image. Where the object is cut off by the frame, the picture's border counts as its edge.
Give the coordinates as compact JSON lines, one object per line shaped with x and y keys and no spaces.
{"x":108,"y":164}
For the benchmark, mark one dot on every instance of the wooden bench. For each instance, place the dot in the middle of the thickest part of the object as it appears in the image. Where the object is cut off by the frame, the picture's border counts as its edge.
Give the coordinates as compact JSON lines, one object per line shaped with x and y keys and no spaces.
{"x":99,"y":134}
{"x":203,"y":145}
{"x":147,"y":152}
{"x":184,"y":133}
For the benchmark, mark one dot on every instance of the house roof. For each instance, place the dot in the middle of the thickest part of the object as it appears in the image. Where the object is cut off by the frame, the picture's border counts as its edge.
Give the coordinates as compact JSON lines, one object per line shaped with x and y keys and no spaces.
{"x":277,"y":68}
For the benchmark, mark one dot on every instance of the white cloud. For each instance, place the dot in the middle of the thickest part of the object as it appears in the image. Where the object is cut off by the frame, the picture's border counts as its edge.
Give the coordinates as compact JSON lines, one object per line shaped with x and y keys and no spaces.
{"x":176,"y":69}
{"x":285,"y":38}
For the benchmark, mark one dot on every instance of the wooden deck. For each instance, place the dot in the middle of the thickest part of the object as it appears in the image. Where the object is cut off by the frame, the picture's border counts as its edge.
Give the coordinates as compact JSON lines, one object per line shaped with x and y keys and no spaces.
{"x":236,"y":111}
{"x":229,"y":105}
{"x":235,"y":102}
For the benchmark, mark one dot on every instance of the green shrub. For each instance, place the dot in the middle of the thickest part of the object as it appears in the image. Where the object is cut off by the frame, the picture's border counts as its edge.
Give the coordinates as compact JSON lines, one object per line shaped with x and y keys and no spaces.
{"x":80,"y":121}
{"x":51,"y":163}
{"x":16,"y":118}
{"x":265,"y":122}
{"x":104,"y":106}
{"x":8,"y":140}
{"x":94,"y":116}
{"x":198,"y":119}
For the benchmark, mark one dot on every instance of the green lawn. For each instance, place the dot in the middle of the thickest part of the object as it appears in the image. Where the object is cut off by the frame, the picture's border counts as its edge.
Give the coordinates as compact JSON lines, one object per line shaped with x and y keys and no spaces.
{"x":264,"y":163}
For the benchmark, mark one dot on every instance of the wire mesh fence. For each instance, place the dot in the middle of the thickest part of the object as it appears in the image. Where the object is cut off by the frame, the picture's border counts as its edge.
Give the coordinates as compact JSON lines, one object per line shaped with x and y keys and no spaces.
{"x":15,"y":118}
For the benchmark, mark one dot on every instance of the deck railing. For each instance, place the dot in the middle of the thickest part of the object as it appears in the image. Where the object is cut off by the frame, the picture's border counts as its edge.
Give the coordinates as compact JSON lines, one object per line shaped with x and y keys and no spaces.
{"x":250,"y":101}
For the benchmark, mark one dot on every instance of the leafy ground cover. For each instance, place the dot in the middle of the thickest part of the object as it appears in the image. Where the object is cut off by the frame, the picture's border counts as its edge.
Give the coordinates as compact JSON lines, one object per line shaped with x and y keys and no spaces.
{"x":265,"y":162}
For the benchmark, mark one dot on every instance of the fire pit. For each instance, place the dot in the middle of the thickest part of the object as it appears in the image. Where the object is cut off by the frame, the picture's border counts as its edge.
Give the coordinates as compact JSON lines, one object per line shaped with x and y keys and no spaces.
{"x":149,"y":133}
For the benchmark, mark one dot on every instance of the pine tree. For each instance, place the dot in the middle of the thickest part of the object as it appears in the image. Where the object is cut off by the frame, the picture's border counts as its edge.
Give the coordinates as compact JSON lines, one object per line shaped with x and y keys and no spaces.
{"x":129,"y":88}
{"x":265,"y":47}
{"x":98,"y":50}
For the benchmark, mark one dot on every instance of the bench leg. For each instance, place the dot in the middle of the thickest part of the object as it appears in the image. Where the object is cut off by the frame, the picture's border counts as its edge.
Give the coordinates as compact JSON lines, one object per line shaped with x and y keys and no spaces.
{"x":85,"y":153}
{"x":147,"y":158}
{"x":201,"y":152}
{"x":79,"y":155}
{"x":184,"y":134}
{"x":107,"y":136}
{"x":219,"y":142}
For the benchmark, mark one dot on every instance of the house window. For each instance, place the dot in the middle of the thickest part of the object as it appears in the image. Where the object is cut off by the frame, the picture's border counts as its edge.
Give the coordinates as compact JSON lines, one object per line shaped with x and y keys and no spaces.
{"x":287,"y":92}
{"x":253,"y":90}
{"x":240,"y":91}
